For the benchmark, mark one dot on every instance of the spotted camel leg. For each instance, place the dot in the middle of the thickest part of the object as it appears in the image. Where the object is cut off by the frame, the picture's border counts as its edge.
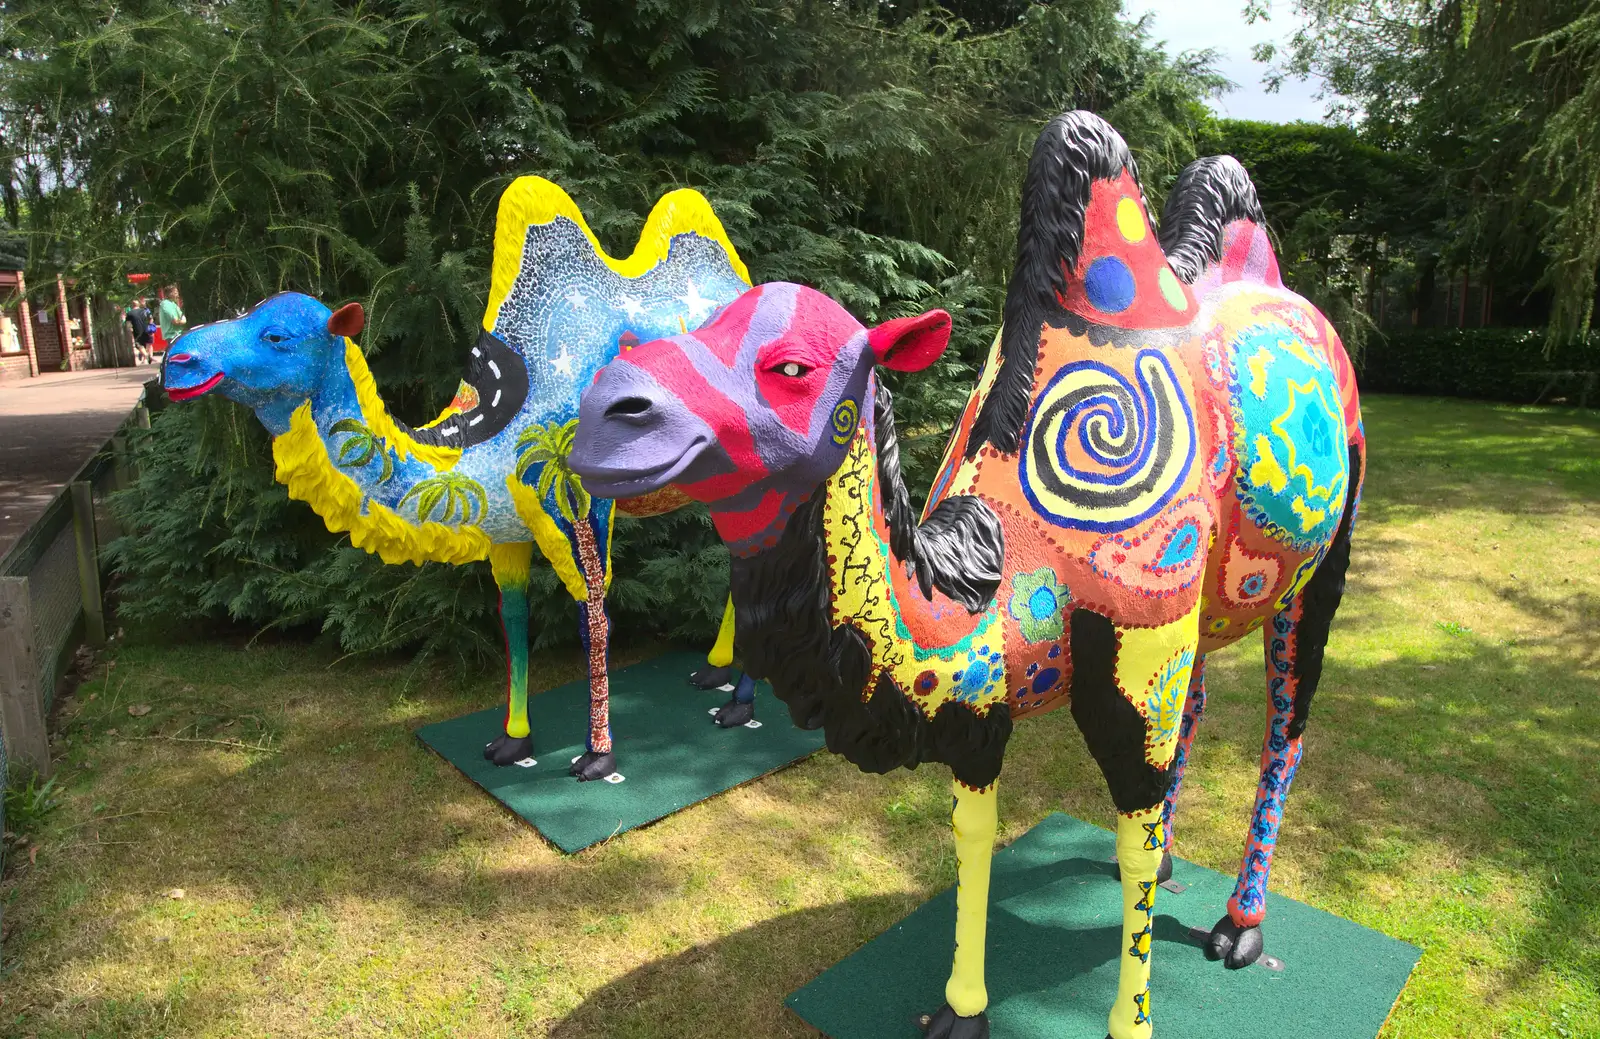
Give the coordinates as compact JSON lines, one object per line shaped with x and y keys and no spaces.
{"x":598,"y":761}
{"x":510,"y":566}
{"x":1295,"y":641}
{"x":1128,"y":692}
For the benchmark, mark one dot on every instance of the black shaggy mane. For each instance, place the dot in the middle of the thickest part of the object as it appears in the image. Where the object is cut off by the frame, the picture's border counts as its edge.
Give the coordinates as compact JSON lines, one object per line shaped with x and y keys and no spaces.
{"x":1074,"y":150}
{"x":1211,"y":193}
{"x":781,"y":608}
{"x":958,"y":549}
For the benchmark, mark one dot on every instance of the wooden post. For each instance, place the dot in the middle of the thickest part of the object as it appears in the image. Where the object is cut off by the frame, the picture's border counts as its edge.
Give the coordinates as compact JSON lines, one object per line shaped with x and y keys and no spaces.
{"x":21,"y":699}
{"x":25,"y":312}
{"x":88,"y":327}
{"x":94,"y":617}
{"x":121,"y":462}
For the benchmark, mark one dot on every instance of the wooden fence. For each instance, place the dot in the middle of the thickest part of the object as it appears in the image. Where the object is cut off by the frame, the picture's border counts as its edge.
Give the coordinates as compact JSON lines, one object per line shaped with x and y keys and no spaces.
{"x":51,"y":601}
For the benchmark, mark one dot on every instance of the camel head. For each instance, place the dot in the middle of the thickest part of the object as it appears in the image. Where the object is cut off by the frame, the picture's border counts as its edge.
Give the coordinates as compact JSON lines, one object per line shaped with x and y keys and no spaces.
{"x":271,"y":359}
{"x":749,"y":413}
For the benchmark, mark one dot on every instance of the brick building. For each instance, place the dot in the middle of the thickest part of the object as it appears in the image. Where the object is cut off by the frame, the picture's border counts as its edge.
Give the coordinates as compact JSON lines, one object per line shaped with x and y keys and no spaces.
{"x":52,"y":328}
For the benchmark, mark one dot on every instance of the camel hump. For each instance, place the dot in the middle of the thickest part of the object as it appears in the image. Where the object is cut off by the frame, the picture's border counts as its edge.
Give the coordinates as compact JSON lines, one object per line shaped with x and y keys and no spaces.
{"x":1213,"y":225}
{"x":1087,"y":259}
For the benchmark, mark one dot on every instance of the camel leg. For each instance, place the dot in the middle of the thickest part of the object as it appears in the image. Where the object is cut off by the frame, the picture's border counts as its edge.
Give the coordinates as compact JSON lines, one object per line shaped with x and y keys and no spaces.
{"x":1295,"y":641}
{"x":973,"y":821}
{"x":598,"y":761}
{"x":1194,"y":708}
{"x":718,"y":670}
{"x":1128,"y":692}
{"x":510,"y":566}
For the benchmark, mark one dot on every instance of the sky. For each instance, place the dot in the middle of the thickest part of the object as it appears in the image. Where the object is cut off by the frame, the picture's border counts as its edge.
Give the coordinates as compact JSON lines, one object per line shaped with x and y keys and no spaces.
{"x":1197,"y":24}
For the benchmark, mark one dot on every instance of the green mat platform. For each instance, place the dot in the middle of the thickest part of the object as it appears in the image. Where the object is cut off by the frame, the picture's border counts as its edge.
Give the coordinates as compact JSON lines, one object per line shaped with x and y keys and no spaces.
{"x":1054,"y":927}
{"x":669,"y":753}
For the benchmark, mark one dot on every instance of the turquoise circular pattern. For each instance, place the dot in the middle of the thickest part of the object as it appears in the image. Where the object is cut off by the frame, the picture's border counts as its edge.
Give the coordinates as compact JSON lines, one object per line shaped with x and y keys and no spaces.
{"x":1288,"y":436}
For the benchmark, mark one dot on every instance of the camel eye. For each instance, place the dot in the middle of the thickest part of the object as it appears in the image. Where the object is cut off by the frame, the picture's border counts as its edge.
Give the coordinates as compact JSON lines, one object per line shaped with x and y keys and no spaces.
{"x":792,"y":369}
{"x":275,"y":336}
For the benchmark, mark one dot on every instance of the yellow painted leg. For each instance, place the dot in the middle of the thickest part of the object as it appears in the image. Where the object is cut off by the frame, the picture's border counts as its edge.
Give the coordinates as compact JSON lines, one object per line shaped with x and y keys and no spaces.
{"x":973,"y":820}
{"x":1139,"y":848}
{"x":721,"y":654}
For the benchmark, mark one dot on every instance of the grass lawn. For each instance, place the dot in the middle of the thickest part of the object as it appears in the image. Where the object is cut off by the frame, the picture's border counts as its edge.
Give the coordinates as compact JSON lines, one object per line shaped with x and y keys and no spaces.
{"x":337,"y":878}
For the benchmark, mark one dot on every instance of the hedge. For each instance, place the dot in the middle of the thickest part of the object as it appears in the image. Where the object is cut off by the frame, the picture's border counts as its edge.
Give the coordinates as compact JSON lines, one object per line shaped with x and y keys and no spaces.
{"x":1487,"y":363}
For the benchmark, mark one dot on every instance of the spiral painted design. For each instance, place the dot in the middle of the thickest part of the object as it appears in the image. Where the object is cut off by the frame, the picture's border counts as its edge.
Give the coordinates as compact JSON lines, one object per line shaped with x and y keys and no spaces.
{"x":846,"y":416}
{"x":1137,"y":438}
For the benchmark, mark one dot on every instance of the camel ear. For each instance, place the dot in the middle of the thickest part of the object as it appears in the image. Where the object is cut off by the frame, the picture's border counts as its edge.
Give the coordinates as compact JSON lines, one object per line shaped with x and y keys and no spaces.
{"x":348,"y":320}
{"x":910,"y":344}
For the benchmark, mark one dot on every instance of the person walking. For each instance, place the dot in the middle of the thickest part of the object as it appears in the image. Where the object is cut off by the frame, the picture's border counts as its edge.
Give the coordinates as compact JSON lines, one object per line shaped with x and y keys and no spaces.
{"x":169,"y":323}
{"x":139,"y":320}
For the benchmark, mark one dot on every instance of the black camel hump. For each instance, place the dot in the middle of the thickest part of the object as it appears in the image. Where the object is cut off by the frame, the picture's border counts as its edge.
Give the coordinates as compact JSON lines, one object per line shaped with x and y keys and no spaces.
{"x":1211,"y":193}
{"x":1072,"y":152}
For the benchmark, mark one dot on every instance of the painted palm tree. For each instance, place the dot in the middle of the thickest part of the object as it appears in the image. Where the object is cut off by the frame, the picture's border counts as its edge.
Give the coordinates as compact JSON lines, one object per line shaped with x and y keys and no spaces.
{"x":454,"y":490}
{"x":542,"y":453}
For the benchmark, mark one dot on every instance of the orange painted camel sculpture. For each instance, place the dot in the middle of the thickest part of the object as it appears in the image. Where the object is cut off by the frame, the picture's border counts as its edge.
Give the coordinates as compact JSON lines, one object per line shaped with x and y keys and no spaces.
{"x":1162,"y":455}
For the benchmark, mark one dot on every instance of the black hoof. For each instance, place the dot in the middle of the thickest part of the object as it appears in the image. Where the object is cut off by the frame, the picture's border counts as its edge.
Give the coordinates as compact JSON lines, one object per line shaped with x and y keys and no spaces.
{"x":1235,"y":946}
{"x":1163,"y":871}
{"x":710,"y":677}
{"x":594,"y":766}
{"x":947,"y":1024}
{"x":734,"y":713}
{"x":507,"y":750}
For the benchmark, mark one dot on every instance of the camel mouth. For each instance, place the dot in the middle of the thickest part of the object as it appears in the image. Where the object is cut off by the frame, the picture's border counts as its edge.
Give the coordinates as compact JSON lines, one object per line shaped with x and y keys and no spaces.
{"x":190,"y":392}
{"x":614,"y":482}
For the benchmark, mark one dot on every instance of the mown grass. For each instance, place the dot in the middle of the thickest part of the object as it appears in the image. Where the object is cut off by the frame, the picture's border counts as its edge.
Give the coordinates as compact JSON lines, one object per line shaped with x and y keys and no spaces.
{"x":339,"y":879}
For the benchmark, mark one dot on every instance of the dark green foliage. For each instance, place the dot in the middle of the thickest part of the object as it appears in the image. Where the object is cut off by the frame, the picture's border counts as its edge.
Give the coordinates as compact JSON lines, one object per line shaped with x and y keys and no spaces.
{"x":872,"y":150}
{"x":1485,"y":363}
{"x":1499,"y":99}
{"x":1344,"y":211}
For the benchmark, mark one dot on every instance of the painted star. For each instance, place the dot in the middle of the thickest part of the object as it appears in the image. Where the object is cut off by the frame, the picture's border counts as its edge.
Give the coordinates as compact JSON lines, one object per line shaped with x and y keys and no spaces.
{"x":632,"y":306}
{"x":696,"y":303}
{"x":563,"y":362}
{"x":578,"y":300}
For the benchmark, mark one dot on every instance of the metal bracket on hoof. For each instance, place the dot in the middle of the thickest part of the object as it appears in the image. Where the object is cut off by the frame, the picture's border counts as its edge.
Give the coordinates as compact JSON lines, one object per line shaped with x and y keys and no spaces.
{"x":528,"y":763}
{"x":751,"y":724}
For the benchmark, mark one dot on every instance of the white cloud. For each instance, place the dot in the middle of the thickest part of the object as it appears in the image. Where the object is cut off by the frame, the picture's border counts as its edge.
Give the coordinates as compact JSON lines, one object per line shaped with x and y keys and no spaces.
{"x":1186,"y":25}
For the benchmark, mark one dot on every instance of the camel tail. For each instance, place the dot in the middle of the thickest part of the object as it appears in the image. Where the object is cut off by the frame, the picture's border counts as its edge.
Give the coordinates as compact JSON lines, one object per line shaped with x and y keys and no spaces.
{"x":1212,"y":225}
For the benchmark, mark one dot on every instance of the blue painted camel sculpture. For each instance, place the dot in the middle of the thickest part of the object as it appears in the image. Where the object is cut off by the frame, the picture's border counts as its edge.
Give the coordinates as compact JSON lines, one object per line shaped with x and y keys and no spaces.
{"x":1162,"y":456}
{"x":489,"y":476}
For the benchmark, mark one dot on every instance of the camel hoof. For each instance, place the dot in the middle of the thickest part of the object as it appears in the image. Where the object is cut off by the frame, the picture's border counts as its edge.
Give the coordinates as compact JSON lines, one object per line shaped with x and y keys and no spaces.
{"x":710,"y":677}
{"x":947,"y":1024}
{"x":734,"y":713}
{"x":593,"y":766}
{"x":508,"y":750}
{"x":1235,"y":946}
{"x":1163,"y":871}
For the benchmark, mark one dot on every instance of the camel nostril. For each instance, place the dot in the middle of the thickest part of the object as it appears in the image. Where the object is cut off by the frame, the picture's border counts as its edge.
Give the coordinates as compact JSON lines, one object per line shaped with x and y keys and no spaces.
{"x":181,"y":358}
{"x":629,"y":408}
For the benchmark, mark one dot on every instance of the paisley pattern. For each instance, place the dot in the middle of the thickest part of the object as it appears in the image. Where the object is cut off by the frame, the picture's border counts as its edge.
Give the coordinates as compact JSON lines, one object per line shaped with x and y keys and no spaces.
{"x":1288,"y":436}
{"x":1101,"y":453}
{"x":1163,"y":558}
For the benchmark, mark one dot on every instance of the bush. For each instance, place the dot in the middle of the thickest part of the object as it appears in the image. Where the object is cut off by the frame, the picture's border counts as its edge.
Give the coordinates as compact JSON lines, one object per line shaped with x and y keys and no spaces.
{"x":1486,"y":363}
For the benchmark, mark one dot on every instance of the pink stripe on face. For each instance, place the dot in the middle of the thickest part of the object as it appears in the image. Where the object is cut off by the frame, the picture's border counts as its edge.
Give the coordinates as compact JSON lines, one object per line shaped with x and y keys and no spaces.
{"x":667,"y":364}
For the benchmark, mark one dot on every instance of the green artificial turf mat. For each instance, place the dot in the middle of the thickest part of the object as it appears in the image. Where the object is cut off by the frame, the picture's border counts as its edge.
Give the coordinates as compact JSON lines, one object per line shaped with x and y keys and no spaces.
{"x":669,"y":752}
{"x":1055,"y":919}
